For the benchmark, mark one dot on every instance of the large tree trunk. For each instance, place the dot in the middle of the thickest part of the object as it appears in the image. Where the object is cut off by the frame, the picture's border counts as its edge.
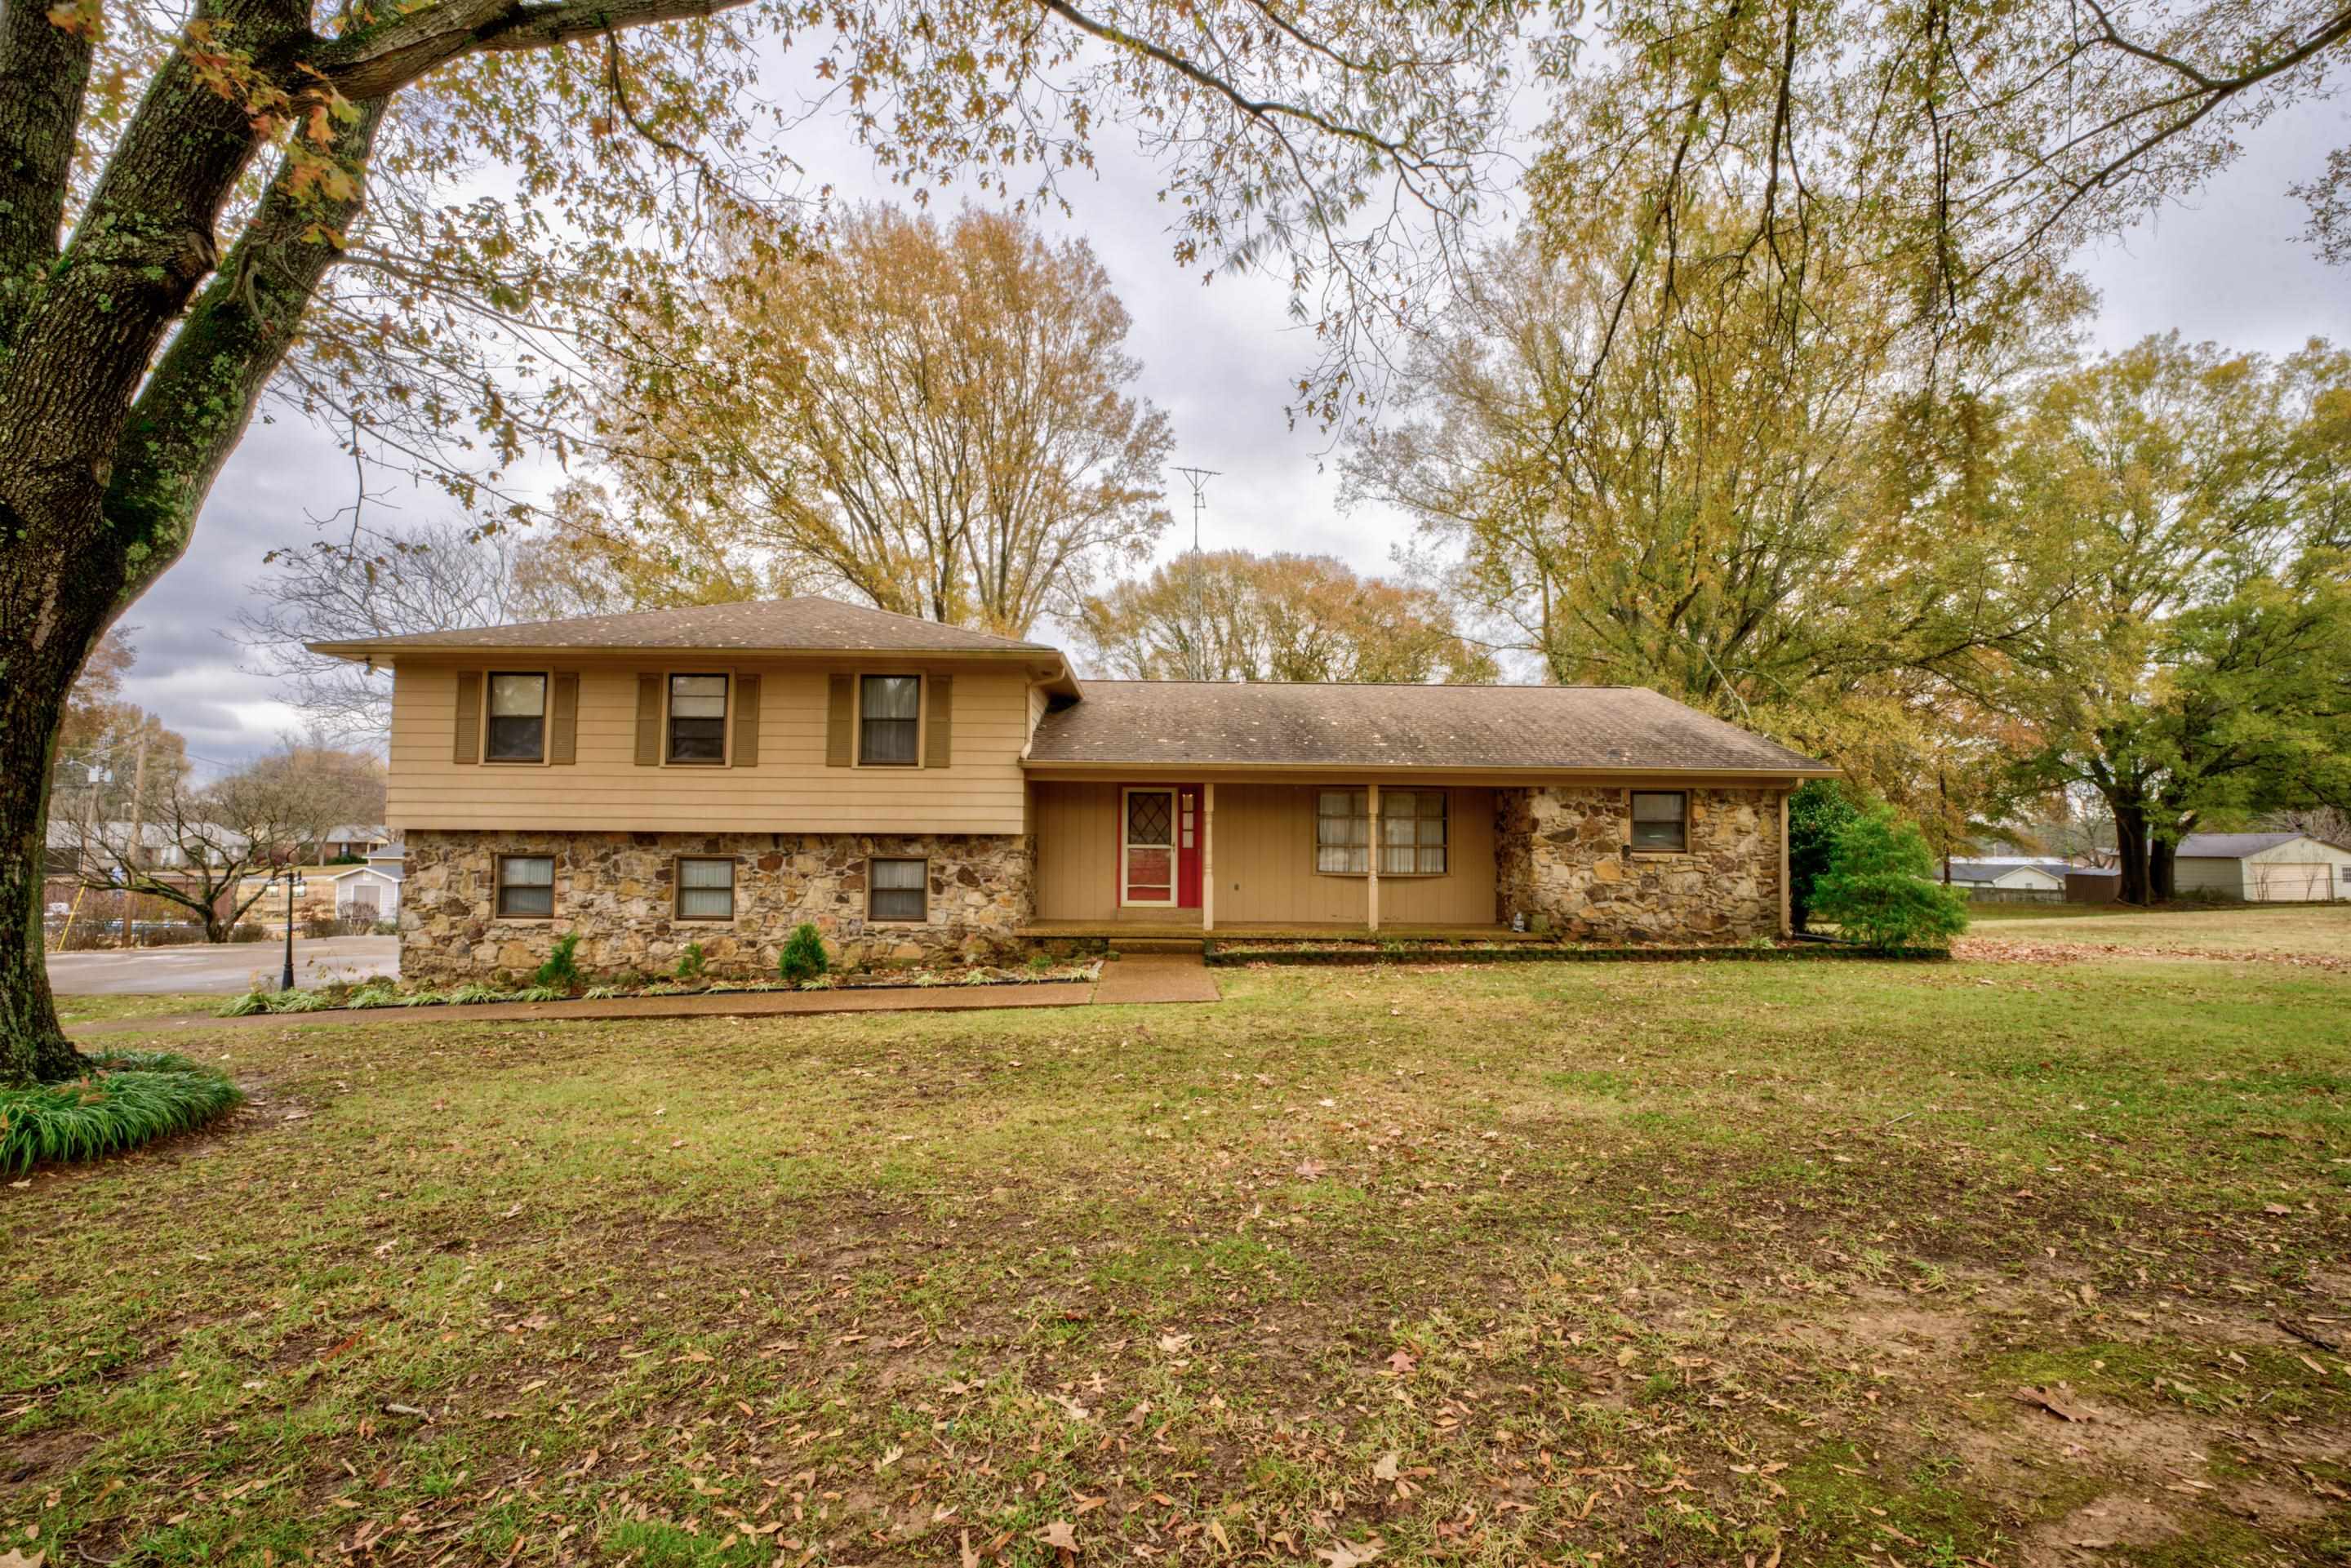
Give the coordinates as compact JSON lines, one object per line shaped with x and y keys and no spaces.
{"x":100,"y":479}
{"x":32,"y":701}
{"x":2131,"y":847}
{"x":2162,"y":870}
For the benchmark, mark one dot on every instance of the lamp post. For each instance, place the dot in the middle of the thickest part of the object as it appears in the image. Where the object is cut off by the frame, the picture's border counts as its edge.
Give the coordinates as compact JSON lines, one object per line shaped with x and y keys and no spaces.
{"x":294,"y":884}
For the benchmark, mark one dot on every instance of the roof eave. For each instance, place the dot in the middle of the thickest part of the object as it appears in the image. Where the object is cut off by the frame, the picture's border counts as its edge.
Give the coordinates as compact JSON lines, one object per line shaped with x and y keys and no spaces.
{"x":388,"y":653}
{"x":1532,"y":772}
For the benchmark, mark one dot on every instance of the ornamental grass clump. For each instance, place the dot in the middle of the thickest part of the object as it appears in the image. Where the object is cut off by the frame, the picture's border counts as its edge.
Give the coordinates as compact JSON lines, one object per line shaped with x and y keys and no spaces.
{"x":126,"y":1100}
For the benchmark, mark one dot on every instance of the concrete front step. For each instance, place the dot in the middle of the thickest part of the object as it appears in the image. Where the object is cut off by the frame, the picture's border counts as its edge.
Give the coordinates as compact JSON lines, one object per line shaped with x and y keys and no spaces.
{"x":1157,"y":944}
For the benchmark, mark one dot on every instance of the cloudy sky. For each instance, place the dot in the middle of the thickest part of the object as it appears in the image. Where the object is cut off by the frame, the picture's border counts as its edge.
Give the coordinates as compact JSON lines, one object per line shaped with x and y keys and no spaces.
{"x":1218,"y":359}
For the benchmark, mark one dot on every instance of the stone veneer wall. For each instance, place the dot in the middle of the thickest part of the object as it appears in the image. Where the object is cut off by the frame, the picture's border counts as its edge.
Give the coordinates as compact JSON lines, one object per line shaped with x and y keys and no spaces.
{"x":619,"y":892}
{"x":1561,"y":859}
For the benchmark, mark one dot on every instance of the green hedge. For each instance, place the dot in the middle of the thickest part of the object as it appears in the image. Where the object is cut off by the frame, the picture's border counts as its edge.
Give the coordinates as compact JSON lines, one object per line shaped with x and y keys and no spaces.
{"x":130,"y":1098}
{"x":1535,"y":953}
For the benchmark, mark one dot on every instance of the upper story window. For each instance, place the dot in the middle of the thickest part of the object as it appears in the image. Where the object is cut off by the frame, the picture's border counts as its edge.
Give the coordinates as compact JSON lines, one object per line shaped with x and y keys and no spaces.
{"x":518,"y":728}
{"x":1660,"y":820}
{"x":889,"y":720}
{"x":697,"y":718}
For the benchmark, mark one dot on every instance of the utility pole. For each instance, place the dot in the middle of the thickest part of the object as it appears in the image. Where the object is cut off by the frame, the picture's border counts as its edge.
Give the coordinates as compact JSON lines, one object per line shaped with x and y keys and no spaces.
{"x":1196,"y":667}
{"x":137,"y":836}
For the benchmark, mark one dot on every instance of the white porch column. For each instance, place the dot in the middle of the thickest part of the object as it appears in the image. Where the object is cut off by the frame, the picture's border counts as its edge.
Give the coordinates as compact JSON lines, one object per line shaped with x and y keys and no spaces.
{"x":1208,"y":857}
{"x":1372,"y":883}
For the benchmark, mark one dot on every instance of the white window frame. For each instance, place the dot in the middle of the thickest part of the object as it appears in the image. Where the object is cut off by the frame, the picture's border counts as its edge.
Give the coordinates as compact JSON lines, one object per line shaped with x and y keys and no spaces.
{"x":922,"y":719}
{"x":545,"y":719}
{"x":726,"y":719}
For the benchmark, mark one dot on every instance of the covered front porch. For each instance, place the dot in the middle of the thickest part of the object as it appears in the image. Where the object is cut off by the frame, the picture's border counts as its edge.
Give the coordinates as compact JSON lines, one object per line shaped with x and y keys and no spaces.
{"x":1303,"y":857}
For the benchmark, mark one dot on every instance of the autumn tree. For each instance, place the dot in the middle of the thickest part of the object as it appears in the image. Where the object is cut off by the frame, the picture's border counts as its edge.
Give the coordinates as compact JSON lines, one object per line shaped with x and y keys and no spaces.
{"x":2192,"y":508}
{"x":1231,"y":615}
{"x":425,"y":224}
{"x":934,"y":418}
{"x":1779,"y":529}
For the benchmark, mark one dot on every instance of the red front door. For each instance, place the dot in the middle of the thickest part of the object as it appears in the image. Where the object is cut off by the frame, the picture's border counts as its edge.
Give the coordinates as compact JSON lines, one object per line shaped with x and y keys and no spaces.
{"x":1159,"y":851}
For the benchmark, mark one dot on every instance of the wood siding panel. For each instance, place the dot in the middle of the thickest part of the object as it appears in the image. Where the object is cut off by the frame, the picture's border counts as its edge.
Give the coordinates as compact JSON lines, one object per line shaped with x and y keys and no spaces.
{"x":790,"y":790}
{"x":1264,"y":861}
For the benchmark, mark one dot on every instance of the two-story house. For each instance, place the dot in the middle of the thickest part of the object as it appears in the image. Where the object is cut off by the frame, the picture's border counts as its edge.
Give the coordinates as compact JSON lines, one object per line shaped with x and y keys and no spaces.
{"x":718,"y":774}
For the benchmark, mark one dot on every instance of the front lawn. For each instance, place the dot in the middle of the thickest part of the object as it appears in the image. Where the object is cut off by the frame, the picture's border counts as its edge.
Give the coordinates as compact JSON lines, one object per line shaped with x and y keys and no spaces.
{"x":2322,"y":928}
{"x":1593,"y":1263}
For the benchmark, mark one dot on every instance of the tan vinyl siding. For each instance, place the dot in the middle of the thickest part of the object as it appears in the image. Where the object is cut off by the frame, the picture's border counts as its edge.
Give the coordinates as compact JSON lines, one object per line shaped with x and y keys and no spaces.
{"x":1264,"y":860}
{"x":789,"y":791}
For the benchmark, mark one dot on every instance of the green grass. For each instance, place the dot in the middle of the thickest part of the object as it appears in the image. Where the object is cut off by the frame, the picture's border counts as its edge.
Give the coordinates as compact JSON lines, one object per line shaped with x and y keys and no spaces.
{"x":1666,"y":1262}
{"x":2321,"y":929}
{"x":74,"y":1009}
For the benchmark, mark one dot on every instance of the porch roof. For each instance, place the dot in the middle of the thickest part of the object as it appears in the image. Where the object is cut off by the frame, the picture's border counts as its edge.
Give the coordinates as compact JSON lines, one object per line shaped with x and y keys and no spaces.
{"x":1583,"y":729}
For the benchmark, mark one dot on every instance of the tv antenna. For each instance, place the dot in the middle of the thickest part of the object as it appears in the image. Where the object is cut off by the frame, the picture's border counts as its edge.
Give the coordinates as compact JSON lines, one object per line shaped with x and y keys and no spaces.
{"x":1195,"y":657}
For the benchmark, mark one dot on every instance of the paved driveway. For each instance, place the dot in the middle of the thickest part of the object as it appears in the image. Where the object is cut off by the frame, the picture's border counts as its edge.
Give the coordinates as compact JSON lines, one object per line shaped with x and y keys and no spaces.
{"x":228,"y":969}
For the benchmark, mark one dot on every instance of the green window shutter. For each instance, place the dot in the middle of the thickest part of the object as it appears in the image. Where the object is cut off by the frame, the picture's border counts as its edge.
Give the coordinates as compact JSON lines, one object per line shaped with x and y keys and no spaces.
{"x":469,"y":744}
{"x":938,"y":734}
{"x":840,"y":719}
{"x":746,"y":721}
{"x":563,"y":720}
{"x":648,"y":721}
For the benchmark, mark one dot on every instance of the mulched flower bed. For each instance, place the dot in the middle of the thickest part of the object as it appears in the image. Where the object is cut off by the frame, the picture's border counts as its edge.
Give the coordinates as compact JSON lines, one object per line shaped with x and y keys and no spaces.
{"x":1343,"y":953}
{"x":387,"y":994}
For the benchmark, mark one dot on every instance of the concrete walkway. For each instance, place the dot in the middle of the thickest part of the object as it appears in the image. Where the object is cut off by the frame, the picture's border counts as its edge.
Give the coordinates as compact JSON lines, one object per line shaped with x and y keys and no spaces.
{"x":1156,"y":978}
{"x":1135,"y":979}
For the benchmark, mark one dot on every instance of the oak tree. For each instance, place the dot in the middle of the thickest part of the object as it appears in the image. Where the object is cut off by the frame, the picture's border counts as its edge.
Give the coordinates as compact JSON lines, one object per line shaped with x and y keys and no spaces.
{"x":1229,"y":615}
{"x":935,"y":418}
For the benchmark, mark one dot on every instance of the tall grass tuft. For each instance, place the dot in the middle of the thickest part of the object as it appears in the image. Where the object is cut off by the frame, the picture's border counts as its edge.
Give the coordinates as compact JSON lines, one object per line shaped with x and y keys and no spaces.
{"x":130,"y":1098}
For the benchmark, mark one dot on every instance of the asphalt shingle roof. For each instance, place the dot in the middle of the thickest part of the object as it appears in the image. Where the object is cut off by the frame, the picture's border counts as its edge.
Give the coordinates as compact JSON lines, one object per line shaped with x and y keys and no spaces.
{"x":2231,"y":846}
{"x":1176,"y":722}
{"x":802,"y":621}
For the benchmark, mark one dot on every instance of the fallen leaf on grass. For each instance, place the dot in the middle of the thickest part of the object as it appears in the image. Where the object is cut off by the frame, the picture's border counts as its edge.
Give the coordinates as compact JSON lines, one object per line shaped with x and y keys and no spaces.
{"x":1401,"y":1362}
{"x":1060,"y":1535}
{"x":1352,"y":1553}
{"x":14,"y":1559}
{"x":1310,"y":1169}
{"x":1388,"y":1467}
{"x":1174,"y":1343}
{"x":2041,"y":1398}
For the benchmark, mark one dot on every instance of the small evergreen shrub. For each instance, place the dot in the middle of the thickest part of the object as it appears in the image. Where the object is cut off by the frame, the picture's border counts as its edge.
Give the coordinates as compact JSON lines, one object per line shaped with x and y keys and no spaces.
{"x":689,"y":962}
{"x":1817,"y":812}
{"x":466,"y":994}
{"x":246,"y":1006}
{"x":561,"y":971}
{"x":540,"y":994}
{"x":130,"y":1098}
{"x":804,"y":956}
{"x":1878,"y":886}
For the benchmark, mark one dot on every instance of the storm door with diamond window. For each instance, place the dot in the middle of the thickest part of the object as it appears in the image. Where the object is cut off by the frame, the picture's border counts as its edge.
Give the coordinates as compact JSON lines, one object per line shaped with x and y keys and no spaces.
{"x":1147,"y":850}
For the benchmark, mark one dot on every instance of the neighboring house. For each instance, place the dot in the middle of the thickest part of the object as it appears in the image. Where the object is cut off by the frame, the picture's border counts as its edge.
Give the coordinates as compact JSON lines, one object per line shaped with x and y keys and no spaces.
{"x":2264,"y":868}
{"x":352,"y":839}
{"x":2011,"y":882}
{"x":719,"y":773}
